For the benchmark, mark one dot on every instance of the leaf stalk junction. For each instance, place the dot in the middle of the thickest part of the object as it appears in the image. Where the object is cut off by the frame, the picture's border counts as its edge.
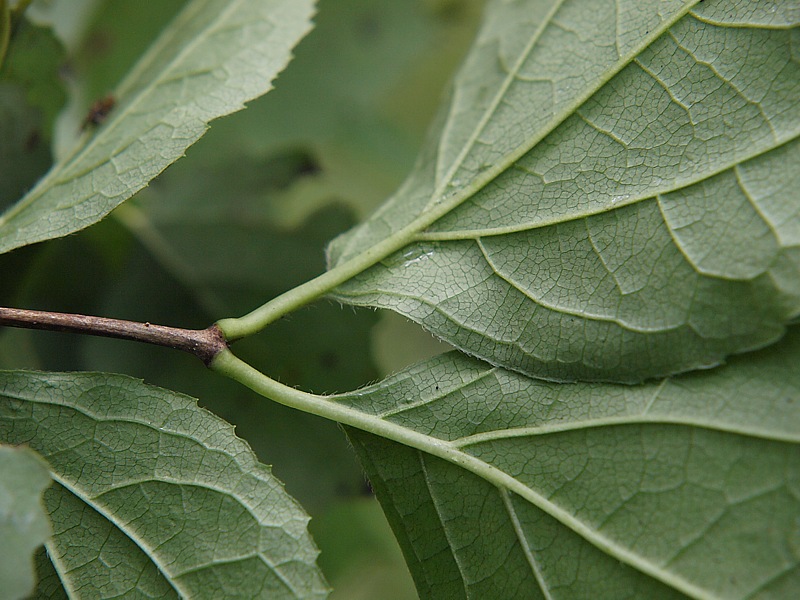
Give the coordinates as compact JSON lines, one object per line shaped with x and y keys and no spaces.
{"x":211,"y":346}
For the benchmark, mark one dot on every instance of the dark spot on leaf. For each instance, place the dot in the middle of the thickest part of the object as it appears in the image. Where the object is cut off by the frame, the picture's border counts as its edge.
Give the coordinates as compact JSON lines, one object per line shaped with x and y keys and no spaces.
{"x":99,"y":110}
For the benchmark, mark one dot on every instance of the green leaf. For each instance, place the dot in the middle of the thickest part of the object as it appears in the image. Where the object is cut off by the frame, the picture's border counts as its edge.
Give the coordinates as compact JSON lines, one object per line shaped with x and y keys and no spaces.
{"x":509,"y":487}
{"x":23,"y":522}
{"x":362,"y":560}
{"x":31,"y":94}
{"x":212,"y":58}
{"x":5,"y":29}
{"x":33,"y":63}
{"x":155,"y":496}
{"x":322,"y":348}
{"x":26,"y":156}
{"x":611,"y":193}
{"x":366,"y":81}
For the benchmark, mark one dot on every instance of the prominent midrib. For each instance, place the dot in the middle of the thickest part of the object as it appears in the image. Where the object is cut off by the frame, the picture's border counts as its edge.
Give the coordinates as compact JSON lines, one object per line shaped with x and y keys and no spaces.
{"x":262,"y":316}
{"x":144,"y":547}
{"x":472,"y":234}
{"x":93,"y":501}
{"x":498,"y":97}
{"x":229,"y":365}
{"x":706,"y":423}
{"x":440,"y":209}
{"x":523,"y":542}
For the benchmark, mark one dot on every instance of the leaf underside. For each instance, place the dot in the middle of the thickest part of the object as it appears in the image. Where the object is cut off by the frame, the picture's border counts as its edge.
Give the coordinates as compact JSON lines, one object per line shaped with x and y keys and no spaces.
{"x":154,"y":496}
{"x":214,"y":57}
{"x":611,"y":193}
{"x":686,"y":486}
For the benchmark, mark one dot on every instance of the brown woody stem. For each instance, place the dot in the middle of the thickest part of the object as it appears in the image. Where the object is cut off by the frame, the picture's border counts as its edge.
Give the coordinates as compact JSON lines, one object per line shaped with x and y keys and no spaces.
{"x":205,"y":344}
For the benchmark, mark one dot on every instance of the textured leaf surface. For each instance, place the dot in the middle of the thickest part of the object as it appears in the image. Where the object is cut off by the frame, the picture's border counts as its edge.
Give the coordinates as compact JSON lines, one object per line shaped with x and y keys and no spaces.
{"x":611,"y":194}
{"x":212,"y":58}
{"x":23,"y":522}
{"x":154,"y":496}
{"x":529,"y":489}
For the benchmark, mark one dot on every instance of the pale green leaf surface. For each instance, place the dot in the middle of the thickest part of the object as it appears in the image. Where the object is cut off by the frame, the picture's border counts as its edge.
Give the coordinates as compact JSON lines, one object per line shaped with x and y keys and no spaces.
{"x":23,"y":522}
{"x":603,"y":200}
{"x":212,"y":58}
{"x":154,"y":496}
{"x":530,"y":489}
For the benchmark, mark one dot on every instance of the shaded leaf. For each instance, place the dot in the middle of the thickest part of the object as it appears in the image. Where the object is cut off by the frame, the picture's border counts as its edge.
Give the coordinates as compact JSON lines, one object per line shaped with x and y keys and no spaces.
{"x":212,"y":58}
{"x":245,"y":215}
{"x":361,"y":81}
{"x":528,"y":489}
{"x":155,"y":496}
{"x":360,"y":556}
{"x":48,"y":584}
{"x":33,"y":63}
{"x":222,"y":254}
{"x":67,"y":18}
{"x":611,"y":193}
{"x":31,"y":94}
{"x":24,"y":152}
{"x":113,"y":39}
{"x":23,"y":521}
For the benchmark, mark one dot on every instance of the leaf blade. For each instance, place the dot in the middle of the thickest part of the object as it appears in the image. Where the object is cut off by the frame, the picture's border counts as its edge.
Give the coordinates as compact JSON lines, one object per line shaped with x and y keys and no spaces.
{"x":212,"y":59}
{"x":685,"y":487}
{"x":579,"y":242}
{"x":159,"y":491}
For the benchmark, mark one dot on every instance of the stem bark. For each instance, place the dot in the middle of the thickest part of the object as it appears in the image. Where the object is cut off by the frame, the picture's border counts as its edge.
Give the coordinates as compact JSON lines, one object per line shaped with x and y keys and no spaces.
{"x":205,"y":344}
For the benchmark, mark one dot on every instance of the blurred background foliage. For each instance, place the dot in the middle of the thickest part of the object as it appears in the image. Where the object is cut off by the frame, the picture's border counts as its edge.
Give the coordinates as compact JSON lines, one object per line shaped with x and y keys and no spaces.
{"x":243,"y":217}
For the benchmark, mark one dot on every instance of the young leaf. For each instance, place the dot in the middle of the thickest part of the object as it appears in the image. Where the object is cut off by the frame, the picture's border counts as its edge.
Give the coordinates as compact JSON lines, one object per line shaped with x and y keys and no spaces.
{"x":23,"y":522}
{"x":611,"y":193}
{"x":154,"y":495}
{"x":212,"y":58}
{"x":518,"y":488}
